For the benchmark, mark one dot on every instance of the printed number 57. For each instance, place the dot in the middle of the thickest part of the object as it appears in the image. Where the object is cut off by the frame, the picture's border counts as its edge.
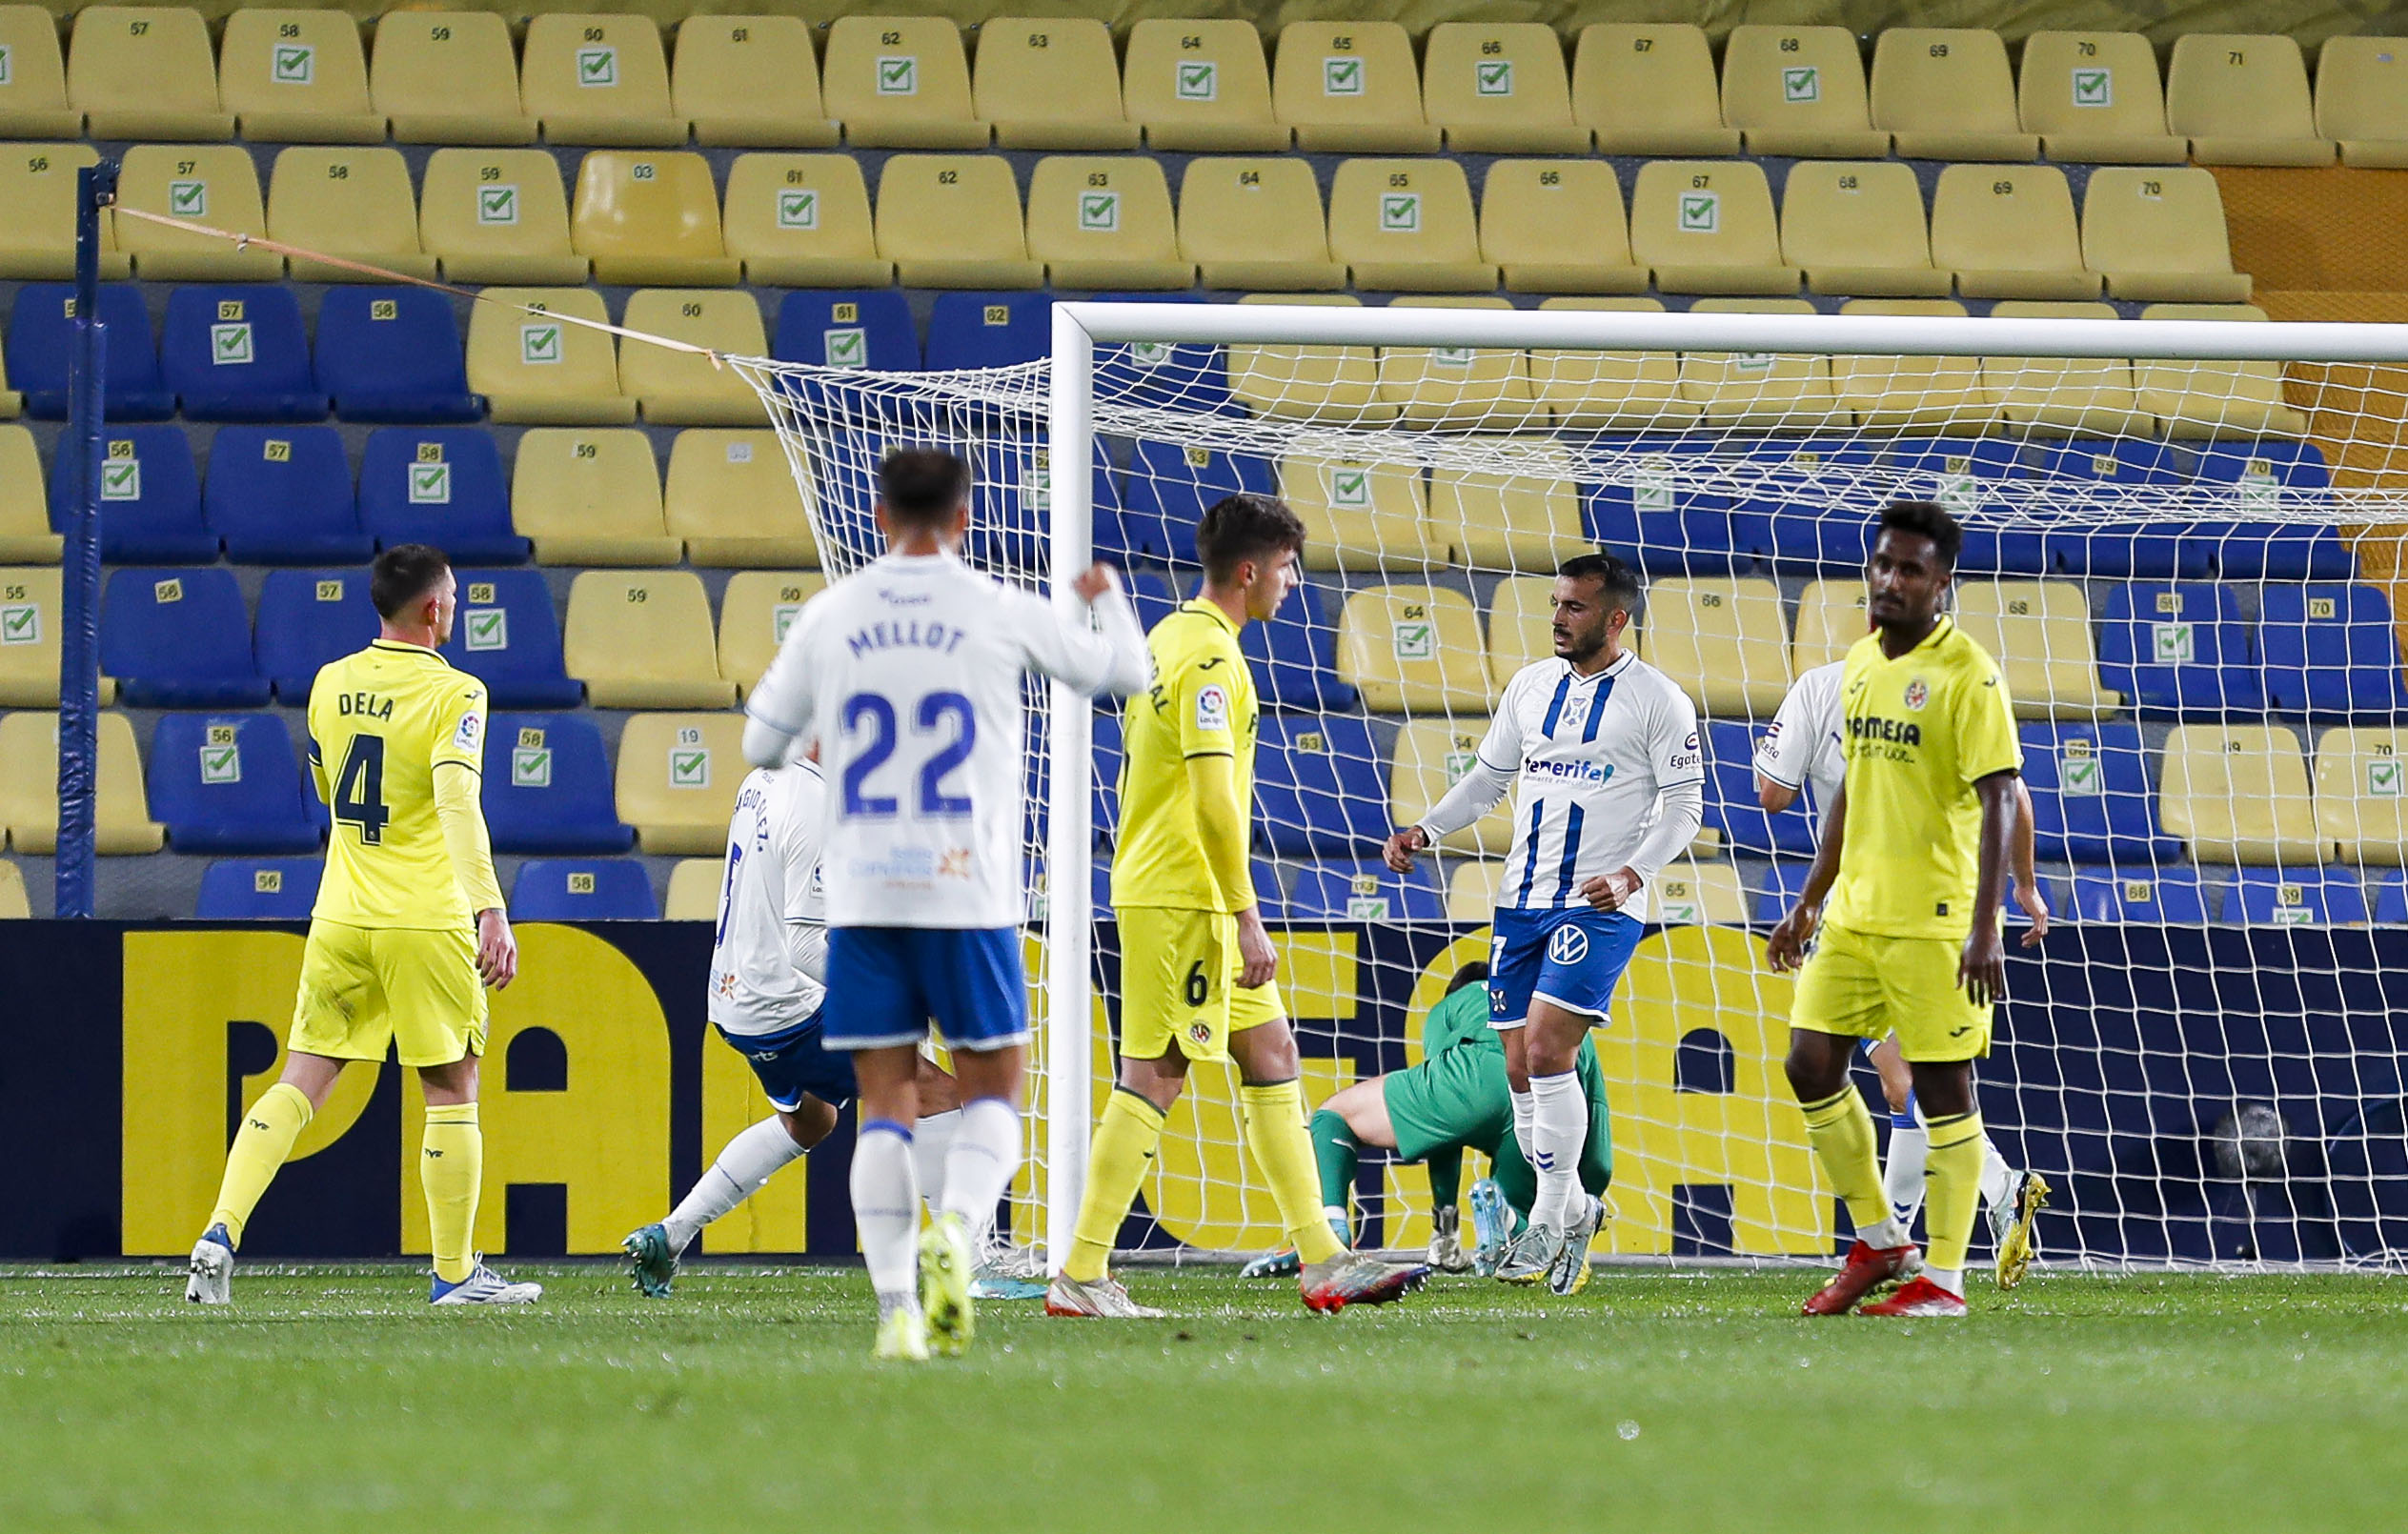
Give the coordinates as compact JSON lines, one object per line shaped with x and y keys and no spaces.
{"x":946,"y":720}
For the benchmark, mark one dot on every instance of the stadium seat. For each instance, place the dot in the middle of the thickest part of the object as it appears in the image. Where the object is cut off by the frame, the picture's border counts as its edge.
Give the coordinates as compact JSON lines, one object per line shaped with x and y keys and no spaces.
{"x":1732,"y":810}
{"x":439,"y":485}
{"x":1295,"y":655}
{"x":954,"y":221}
{"x":749,"y":82}
{"x":1800,"y":91}
{"x":1831,"y":618}
{"x":588,"y":498}
{"x":683,"y":388}
{"x":1050,"y":84}
{"x":178,"y":638}
{"x":733,"y":499}
{"x":1258,"y":224}
{"x":694,"y":890}
{"x":1169,"y":489}
{"x":1358,"y":515}
{"x":988,"y":329}
{"x":2238,"y":793}
{"x":1104,"y":222}
{"x":1201,"y":86}
{"x":899,"y":82}
{"x":1766,"y":391}
{"x":33,"y":97}
{"x":1523,"y":521}
{"x":1011,"y":491}
{"x":498,"y":215}
{"x":12,"y":400}
{"x":2264,"y":475}
{"x":258,"y":889}
{"x":2040,"y":632}
{"x":1351,"y":88}
{"x":678,"y":777}
{"x":1460,"y":386}
{"x":1430,"y":755}
{"x":1775,"y":887}
{"x":1609,"y":391}
{"x":2362,"y":793}
{"x":1366,"y":891}
{"x":2179,"y":647}
{"x":2091,"y":795}
{"x":231,"y":784}
{"x":38,"y":182}
{"x":2096,"y":96}
{"x":2091,"y":397}
{"x":2330,"y":651}
{"x":1557,"y":225}
{"x":351,"y":203}
{"x":755,"y":613}
{"x":31,"y":612}
{"x":2167,"y":895}
{"x":1407,"y":225}
{"x":1706,"y":225}
{"x":508,"y":637}
{"x":42,"y":339}
{"x":535,"y":370}
{"x":1521,"y":626}
{"x":2159,"y":235}
{"x":1414,"y":649}
{"x":1857,"y":228}
{"x":598,"y":79}
{"x":643,"y":639}
{"x":1946,"y":93}
{"x":1690,"y":894}
{"x":2116,"y":550}
{"x":212,"y":184}
{"x":392,"y":354}
{"x":582,"y":889}
{"x":29,"y":787}
{"x":802,"y":220}
{"x":282,"y":495}
{"x":144,"y":71}
{"x":645,"y":217}
{"x":1647,"y":88}
{"x":2227,"y":399}
{"x":2008,"y":231}
{"x":1500,"y":89}
{"x":308,"y":618}
{"x":872,"y":328}
{"x":1800,"y":505}
{"x":1309,"y":383}
{"x":447,"y":77}
{"x":297,"y":77}
{"x":2359,"y":101}
{"x":151,"y":499}
{"x":547,"y":786}
{"x":1970,"y":476}
{"x":1927,"y":394}
{"x":1319,"y":789}
{"x":1725,"y":641}
{"x":239,"y":353}
{"x":1186,"y":375}
{"x":2295,"y":896}
{"x":25,"y":518}
{"x":2242,"y":99}
{"x":1647,"y":504}
{"x":1472,"y":889}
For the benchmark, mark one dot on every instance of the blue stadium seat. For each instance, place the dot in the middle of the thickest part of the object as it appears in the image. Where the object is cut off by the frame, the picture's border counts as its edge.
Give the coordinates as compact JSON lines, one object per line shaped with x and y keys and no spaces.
{"x":1366,"y":891}
{"x":239,"y":353}
{"x":1644,"y":511}
{"x":308,"y":618}
{"x":989,"y":330}
{"x":2168,"y":894}
{"x":1731,"y":799}
{"x":178,"y":638}
{"x":1295,"y":655}
{"x":1168,"y":491}
{"x":1320,"y":787}
{"x":2389,"y":892}
{"x":231,"y":784}
{"x":258,"y":889}
{"x":1808,"y":512}
{"x":2107,"y":471}
{"x":1270,"y":888}
{"x":1154,"y":597}
{"x":1957,"y":472}
{"x":2092,"y":801}
{"x":582,"y":889}
{"x":439,"y":485}
{"x":282,"y":495}
{"x":149,"y":498}
{"x":42,"y":339}
{"x":393,"y":354}
{"x":2179,"y":647}
{"x":1108,"y":757}
{"x":508,"y":636}
{"x":2265,"y":473}
{"x":2295,"y":898}
{"x":2329,"y":650}
{"x":1184,"y":376}
{"x":548,"y":786}
{"x":1777,"y":888}
{"x":1010,"y":502}
{"x":871,"y":329}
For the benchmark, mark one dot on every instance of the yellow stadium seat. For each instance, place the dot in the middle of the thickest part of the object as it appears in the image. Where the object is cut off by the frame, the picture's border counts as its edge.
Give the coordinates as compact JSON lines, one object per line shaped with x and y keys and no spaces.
{"x":2158,"y":234}
{"x":2040,"y":632}
{"x":29,"y":787}
{"x":1782,"y":391}
{"x":2008,"y":231}
{"x":803,"y":221}
{"x":642,"y":639}
{"x":498,"y":215}
{"x":12,"y":903}
{"x":1647,"y":88}
{"x":758,"y":608}
{"x":1911,"y":393}
{"x":589,"y":497}
{"x":447,"y":77}
{"x":1351,"y":88}
{"x":683,"y":389}
{"x":2242,"y":99}
{"x":354,"y":203}
{"x":1500,"y":89}
{"x":1359,"y":515}
{"x":1946,"y":93}
{"x":30,"y":618}
{"x":643,"y":216}
{"x":1690,"y":894}
{"x":899,"y":82}
{"x":1410,"y":649}
{"x":2360,"y":100}
{"x":734,"y":500}
{"x":34,"y":95}
{"x":1309,"y":383}
{"x":1524,"y":520}
{"x":749,"y":82}
{"x":1255,"y":224}
{"x":2207,"y":399}
{"x":1521,"y":626}
{"x":1723,"y":642}
{"x":1407,"y":225}
{"x":1830,"y":617}
{"x":1800,"y":91}
{"x":11,"y":402}
{"x":1430,"y":755}
{"x":2096,"y":96}
{"x":598,"y":79}
{"x":1706,"y":225}
{"x":37,"y":240}
{"x":1104,"y":221}
{"x":1201,"y":86}
{"x":2359,"y":802}
{"x":1458,"y":385}
{"x":1557,"y":225}
{"x":678,"y":777}
{"x":297,"y":77}
{"x":954,"y":221}
{"x":1610,"y":391}
{"x":1855,"y":227}
{"x":25,"y":518}
{"x":1050,"y":82}
{"x":211,"y":184}
{"x":144,"y":71}
{"x":694,"y":890}
{"x":1472,"y":889}
{"x":2238,"y":793}
{"x":2091,"y":397}
{"x":537,"y":370}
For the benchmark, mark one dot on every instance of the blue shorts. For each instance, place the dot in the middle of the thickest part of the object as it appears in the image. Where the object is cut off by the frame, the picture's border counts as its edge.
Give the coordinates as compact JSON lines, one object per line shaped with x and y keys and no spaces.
{"x":1570,"y":956}
{"x":794,"y":1062}
{"x":886,"y":983}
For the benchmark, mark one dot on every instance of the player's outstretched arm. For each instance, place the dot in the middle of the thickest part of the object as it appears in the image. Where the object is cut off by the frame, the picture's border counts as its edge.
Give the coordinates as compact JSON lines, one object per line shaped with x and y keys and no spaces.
{"x":2028,"y":893}
{"x":1786,"y":949}
{"x":1474,"y":795}
{"x":1109,"y":657}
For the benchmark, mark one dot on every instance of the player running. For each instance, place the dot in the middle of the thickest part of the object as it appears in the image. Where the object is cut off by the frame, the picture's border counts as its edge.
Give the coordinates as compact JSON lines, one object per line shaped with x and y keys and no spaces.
{"x":1804,"y":746}
{"x":1604,"y":748}
{"x":1197,"y":966}
{"x":1913,"y":861}
{"x":908,"y":675}
{"x":409,"y":921}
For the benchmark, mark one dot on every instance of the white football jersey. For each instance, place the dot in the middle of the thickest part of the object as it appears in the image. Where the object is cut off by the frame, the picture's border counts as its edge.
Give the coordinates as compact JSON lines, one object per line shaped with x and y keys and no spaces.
{"x":1804,"y":745}
{"x":771,"y":879}
{"x":908,"y":674}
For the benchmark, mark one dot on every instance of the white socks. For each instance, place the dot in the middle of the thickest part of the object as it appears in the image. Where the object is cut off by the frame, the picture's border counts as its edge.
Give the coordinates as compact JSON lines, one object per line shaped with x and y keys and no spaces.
{"x":743,"y":1167}
{"x":1998,"y":1179}
{"x":1909,"y":1144}
{"x":886,"y":1213}
{"x":930,"y":1142}
{"x":1521,"y":1111}
{"x":1950,"y":1279}
{"x":984,"y":1157}
{"x":1559,"y":1131}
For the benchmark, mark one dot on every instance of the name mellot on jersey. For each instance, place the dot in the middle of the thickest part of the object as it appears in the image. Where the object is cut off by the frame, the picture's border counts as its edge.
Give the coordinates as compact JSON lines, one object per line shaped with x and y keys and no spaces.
{"x":942,"y":637}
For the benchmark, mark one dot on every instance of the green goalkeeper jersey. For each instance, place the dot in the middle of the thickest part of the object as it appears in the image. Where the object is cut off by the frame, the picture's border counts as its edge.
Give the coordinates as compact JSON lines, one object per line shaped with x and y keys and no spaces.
{"x":1461,"y":1022}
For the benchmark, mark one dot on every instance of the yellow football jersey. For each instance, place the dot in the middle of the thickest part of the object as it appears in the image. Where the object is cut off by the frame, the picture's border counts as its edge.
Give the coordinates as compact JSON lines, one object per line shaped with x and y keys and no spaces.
{"x":1918,"y":732}
{"x":380,"y":721}
{"x":1202,"y":704}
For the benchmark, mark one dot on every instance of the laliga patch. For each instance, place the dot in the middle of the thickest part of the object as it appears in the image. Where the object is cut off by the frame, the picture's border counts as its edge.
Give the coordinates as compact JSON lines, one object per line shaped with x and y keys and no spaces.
{"x":1918,"y":694}
{"x":471,"y":734}
{"x":1212,"y":708}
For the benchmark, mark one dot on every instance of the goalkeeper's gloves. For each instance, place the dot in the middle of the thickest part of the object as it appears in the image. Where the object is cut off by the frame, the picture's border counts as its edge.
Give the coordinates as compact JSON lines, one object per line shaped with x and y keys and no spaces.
{"x":1446,"y":1242}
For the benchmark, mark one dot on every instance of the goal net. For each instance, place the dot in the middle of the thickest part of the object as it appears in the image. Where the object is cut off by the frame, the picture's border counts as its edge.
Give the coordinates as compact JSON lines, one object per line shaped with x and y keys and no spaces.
{"x":2180,"y":546}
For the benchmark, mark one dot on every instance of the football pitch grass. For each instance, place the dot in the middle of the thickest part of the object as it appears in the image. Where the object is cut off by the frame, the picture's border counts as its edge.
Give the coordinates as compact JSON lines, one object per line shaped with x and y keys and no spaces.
{"x":335,"y":1399}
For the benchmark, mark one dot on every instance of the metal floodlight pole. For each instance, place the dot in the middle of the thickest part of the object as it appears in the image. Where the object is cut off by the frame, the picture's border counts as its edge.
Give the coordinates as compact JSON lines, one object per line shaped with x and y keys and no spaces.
{"x":80,"y":460}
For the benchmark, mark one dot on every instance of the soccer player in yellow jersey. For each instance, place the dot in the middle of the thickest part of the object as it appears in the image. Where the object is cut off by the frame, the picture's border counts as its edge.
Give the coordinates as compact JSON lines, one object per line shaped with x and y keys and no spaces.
{"x":1913,"y":861}
{"x":409,"y":921}
{"x":1196,"y":964}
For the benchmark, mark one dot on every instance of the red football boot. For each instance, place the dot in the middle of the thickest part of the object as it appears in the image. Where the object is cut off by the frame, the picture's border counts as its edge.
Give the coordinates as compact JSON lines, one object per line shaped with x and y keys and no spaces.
{"x":1867,"y":1268}
{"x":1919,"y":1297}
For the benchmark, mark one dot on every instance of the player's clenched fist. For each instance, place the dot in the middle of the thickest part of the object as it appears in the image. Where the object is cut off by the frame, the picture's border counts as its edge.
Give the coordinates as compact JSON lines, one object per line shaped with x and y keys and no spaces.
{"x":1402,"y":846}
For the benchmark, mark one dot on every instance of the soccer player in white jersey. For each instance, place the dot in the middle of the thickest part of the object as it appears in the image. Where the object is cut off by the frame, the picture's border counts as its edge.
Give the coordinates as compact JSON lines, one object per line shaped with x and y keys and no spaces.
{"x":908,"y":675}
{"x":1600,"y":751}
{"x":1803,"y":747}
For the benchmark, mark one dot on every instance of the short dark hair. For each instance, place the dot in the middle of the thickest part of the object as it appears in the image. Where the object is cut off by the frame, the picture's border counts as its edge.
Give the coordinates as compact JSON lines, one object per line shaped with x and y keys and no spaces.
{"x":1245,"y":526}
{"x":922,"y":486}
{"x":1925,"y":519}
{"x":403,"y":574}
{"x":1619,"y":581}
{"x":1471,"y":973}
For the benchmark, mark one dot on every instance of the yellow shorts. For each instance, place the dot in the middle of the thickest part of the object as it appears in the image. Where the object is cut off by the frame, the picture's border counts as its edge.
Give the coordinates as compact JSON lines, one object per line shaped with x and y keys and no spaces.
{"x":1866,"y":986}
{"x":364,"y":987}
{"x":1179,"y":984}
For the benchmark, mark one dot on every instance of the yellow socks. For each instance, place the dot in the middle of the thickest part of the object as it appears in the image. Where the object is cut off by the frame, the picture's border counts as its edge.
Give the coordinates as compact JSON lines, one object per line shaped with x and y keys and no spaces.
{"x":1275,"y":1133}
{"x":1123,"y":1148}
{"x":269,"y":1129}
{"x":451,"y":1169}
{"x":1952,"y":1188}
{"x":1840,"y":1129}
